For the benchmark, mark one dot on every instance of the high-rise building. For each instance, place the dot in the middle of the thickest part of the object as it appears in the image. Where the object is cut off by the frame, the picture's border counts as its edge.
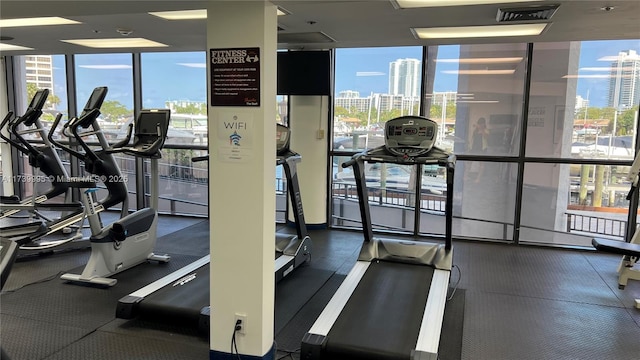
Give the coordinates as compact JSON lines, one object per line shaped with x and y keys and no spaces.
{"x":39,"y":71}
{"x":404,"y":77}
{"x":624,"y":83}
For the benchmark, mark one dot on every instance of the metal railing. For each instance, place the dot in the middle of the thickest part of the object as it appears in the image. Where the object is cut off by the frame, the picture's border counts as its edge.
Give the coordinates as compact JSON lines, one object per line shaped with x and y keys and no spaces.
{"x":392,"y":197}
{"x":596,"y":225}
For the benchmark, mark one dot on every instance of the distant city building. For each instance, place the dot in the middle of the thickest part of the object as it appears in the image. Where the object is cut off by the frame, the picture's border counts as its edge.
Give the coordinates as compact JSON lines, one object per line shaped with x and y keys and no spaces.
{"x":624,"y":83}
{"x":404,"y":77}
{"x":581,"y":102}
{"x":173,"y":104}
{"x":39,"y":71}
{"x":349,"y":94}
{"x":438,"y":98}
{"x":358,"y":104}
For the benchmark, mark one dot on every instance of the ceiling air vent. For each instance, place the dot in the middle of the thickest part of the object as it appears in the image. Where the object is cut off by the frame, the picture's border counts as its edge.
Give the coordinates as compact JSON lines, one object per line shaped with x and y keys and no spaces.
{"x":543,"y":12}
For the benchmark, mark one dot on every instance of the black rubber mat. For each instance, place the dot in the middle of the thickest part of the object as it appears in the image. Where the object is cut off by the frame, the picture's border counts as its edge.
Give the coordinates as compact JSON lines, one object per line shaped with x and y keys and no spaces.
{"x":500,"y":326}
{"x":295,"y":290}
{"x":108,"y":346}
{"x":80,"y":305}
{"x":26,"y":339}
{"x":290,"y":337}
{"x":193,"y":240}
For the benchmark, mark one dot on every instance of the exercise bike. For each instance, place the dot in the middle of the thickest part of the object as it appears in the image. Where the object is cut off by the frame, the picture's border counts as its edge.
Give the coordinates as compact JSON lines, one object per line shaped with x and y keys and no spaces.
{"x":130,"y":240}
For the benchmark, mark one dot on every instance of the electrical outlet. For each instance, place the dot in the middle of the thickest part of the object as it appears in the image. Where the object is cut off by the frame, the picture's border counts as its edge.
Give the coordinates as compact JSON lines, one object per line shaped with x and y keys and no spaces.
{"x":320,"y":134}
{"x":243,"y":323}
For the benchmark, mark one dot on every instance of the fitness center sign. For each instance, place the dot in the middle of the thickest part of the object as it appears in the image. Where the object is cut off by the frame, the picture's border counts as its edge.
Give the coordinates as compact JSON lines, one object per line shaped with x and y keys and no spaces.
{"x":235,"y":77}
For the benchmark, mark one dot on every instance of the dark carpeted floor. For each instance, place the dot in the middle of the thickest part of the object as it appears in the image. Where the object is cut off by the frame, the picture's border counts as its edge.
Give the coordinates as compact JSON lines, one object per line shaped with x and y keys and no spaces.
{"x":513,"y":303}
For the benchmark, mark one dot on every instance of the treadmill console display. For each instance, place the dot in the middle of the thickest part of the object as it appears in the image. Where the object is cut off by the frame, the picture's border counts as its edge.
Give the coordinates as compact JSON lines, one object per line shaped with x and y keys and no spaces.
{"x":410,"y":135}
{"x":282,"y":138}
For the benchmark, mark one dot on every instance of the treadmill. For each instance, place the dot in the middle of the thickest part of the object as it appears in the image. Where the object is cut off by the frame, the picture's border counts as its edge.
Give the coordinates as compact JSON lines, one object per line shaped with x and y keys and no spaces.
{"x":183,"y":296}
{"x":391,"y":304}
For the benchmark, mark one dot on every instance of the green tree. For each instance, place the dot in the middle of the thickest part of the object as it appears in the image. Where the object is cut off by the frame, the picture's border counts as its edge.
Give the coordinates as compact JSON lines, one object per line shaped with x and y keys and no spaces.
{"x":193,"y":109}
{"x":51,"y":99}
{"x":625,"y":121}
{"x":340,"y":111}
{"x":112,"y":110}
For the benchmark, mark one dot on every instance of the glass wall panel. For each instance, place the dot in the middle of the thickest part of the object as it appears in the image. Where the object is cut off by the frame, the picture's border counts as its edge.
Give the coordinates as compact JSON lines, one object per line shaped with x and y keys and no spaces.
{"x":392,"y":196}
{"x":476,"y":93}
{"x":373,"y":85}
{"x":178,"y":81}
{"x":115,"y":71}
{"x":583,"y":106}
{"x":559,"y":212}
{"x":484,"y":200}
{"x":183,"y":185}
{"x":33,"y":73}
{"x":584,"y":100}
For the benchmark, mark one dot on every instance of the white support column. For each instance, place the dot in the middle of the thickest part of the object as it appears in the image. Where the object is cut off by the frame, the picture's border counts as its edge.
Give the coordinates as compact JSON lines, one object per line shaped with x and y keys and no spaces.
{"x":309,"y":131}
{"x":242,"y":182}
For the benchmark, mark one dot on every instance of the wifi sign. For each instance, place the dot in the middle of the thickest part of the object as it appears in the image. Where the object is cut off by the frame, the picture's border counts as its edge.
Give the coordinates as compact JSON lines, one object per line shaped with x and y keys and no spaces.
{"x":234,"y":139}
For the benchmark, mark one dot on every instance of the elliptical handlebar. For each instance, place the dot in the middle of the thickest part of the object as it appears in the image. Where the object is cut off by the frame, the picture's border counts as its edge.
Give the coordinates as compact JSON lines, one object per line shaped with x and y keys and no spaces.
{"x":52,"y":131}
{"x":8,"y":122}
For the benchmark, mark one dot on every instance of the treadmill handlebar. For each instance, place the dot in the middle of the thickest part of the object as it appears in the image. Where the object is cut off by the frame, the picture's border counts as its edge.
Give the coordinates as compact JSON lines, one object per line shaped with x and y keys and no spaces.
{"x":200,"y":158}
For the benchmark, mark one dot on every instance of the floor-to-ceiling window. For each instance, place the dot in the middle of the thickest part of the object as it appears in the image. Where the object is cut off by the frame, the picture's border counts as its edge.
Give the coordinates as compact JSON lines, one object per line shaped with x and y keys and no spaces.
{"x":476,"y":94}
{"x":32,"y":73}
{"x":561,"y":118}
{"x":373,"y":85}
{"x":114,"y":71}
{"x":178,"y":81}
{"x":581,"y":130}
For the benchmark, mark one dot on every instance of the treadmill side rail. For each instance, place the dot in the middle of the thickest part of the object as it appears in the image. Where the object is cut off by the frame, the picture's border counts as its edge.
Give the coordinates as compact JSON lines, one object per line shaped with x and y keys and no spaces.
{"x":312,"y":346}
{"x":331,"y":312}
{"x":431,"y":326}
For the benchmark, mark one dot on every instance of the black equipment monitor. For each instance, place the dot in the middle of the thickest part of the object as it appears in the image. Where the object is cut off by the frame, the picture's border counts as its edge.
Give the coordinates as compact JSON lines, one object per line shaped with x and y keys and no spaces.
{"x":34,"y":110}
{"x":95,"y":100}
{"x":151,"y":129}
{"x":410,"y":135}
{"x":39,"y":99}
{"x":283,"y":138}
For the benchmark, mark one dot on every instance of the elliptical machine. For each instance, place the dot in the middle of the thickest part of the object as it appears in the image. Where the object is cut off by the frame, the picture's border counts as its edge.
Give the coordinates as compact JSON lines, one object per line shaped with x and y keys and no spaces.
{"x":43,"y":157}
{"x":130,"y":240}
{"x":36,"y":237}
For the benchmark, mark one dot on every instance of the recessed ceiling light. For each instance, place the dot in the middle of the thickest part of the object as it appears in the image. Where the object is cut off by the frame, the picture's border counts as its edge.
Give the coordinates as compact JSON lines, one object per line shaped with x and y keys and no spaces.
{"x":9,"y":47}
{"x":480,"y":72}
{"x":282,"y":12}
{"x":479,"y":31}
{"x":404,"y":4}
{"x":193,"y":14}
{"x":181,"y":14}
{"x":36,"y":21}
{"x":505,"y":60}
{"x":115,"y":43}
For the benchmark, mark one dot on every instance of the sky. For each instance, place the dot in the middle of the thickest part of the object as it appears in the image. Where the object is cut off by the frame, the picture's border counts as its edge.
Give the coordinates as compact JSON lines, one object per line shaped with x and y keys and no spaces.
{"x":182,"y":76}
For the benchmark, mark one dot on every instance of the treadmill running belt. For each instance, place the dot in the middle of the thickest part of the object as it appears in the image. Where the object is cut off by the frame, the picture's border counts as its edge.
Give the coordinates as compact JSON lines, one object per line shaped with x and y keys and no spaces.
{"x":381,"y":319}
{"x":180,"y":303}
